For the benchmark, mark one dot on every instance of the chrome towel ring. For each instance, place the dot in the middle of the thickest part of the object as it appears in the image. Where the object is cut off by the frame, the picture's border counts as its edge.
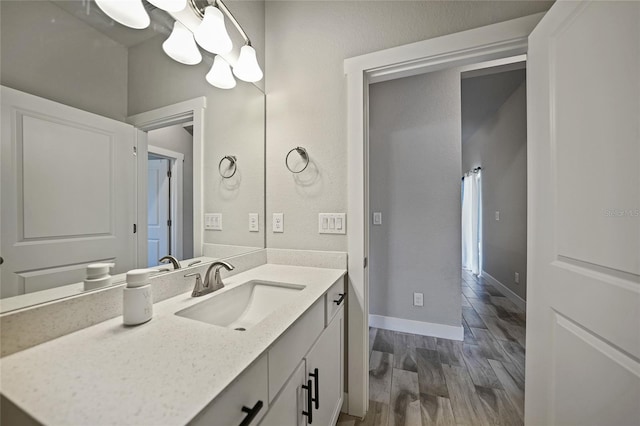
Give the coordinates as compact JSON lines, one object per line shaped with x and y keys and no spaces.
{"x":233,"y":166}
{"x":303,"y":154}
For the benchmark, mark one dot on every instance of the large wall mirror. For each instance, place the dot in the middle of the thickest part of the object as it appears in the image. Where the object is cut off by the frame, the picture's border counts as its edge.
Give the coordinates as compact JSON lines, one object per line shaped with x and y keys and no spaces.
{"x":113,"y":152}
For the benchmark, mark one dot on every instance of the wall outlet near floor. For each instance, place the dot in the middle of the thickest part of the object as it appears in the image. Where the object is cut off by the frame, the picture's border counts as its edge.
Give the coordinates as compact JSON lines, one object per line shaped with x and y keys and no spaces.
{"x":254,"y":225}
{"x":213,"y":221}
{"x":517,"y":278}
{"x":278,"y":222}
{"x":418,"y":299}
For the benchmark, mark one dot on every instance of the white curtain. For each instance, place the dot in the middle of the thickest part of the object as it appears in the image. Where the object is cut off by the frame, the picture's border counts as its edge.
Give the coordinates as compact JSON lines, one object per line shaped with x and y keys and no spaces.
{"x":471,"y":223}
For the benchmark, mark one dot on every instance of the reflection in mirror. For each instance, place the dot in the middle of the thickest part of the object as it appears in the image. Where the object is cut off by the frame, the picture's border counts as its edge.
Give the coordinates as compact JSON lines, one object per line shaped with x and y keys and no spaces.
{"x":74,"y":189}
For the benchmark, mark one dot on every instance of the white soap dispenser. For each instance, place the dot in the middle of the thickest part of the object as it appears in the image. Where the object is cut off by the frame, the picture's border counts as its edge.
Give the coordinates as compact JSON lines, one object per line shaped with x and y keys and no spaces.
{"x":98,"y":275}
{"x":137,"y":305}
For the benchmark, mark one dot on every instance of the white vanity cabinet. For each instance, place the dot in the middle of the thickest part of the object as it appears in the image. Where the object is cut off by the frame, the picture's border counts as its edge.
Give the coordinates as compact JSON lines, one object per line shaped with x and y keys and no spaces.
{"x":312,"y":395}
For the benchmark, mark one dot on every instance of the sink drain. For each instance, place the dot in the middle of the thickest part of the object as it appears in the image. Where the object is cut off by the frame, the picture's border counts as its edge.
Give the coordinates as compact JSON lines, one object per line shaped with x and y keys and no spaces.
{"x":240,"y":329}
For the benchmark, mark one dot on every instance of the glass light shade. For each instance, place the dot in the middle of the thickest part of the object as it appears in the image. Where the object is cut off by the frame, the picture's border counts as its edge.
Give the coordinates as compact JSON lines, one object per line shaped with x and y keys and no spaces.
{"x":181,"y":47}
{"x":169,"y":5}
{"x":247,"y":68}
{"x":220,"y":74}
{"x":127,"y":12}
{"x":211,"y":34}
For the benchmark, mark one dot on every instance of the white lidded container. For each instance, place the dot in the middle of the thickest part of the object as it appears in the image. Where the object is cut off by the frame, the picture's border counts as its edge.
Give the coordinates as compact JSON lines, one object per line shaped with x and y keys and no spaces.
{"x":137,"y":305}
{"x":98,"y":275}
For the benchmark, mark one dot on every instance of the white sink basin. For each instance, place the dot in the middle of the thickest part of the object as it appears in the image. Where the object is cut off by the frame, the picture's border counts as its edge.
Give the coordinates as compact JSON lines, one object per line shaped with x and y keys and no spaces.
{"x":243,"y":306}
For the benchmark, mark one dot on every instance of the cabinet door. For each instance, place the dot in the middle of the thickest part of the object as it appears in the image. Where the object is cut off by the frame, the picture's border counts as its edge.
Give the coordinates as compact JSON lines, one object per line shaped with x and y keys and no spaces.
{"x":287,"y":409}
{"x":327,"y":357}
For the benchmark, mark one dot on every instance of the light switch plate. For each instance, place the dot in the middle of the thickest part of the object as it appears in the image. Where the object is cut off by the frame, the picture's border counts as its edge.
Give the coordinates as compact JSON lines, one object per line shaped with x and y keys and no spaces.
{"x":278,"y":222}
{"x":497,"y":215}
{"x":213,"y":221}
{"x":332,"y":223}
{"x":377,"y":218}
{"x":418,"y":299}
{"x":254,"y":222}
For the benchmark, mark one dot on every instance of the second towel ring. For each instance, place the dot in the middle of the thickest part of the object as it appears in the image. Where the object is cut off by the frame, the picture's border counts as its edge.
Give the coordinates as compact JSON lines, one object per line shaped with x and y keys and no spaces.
{"x":232,"y":164}
{"x":303,"y":153}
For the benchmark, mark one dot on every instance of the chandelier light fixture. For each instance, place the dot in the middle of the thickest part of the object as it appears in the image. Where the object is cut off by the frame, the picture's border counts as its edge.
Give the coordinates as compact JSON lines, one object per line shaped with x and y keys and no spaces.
{"x":207,"y":29}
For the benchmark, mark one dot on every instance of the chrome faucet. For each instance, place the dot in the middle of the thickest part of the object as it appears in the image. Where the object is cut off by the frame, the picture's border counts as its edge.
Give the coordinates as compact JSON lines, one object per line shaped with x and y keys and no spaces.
{"x":173,"y":260}
{"x":201,"y":288}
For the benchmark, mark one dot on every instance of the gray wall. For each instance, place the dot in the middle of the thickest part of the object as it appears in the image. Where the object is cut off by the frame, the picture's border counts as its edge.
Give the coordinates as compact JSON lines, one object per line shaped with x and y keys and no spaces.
{"x":47,"y":52}
{"x":176,"y":138}
{"x":499,"y":146}
{"x":415,"y":171}
{"x":307,"y":42}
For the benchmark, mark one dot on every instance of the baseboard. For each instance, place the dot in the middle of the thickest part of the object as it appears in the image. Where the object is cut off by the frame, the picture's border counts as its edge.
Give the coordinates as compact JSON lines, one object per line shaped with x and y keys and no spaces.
{"x":345,"y":403}
{"x":443,"y":331}
{"x":506,"y":291}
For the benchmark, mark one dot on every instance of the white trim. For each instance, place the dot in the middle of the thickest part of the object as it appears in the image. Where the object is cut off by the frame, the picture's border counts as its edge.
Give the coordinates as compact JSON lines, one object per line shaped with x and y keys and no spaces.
{"x":177,"y":161}
{"x":477,"y":45}
{"x":191,"y":110}
{"x":345,"y":403}
{"x":443,"y":331}
{"x":506,"y":291}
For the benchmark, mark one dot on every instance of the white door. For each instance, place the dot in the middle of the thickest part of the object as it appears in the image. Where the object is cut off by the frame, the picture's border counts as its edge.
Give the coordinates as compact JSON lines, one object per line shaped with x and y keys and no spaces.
{"x":67,"y":193}
{"x":583,"y":301}
{"x":158,"y":207}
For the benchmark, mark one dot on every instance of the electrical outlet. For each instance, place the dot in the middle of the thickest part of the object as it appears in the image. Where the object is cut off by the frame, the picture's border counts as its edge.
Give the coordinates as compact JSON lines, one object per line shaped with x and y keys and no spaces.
{"x":418,"y":299}
{"x":278,"y":222}
{"x":254,"y":224}
{"x":497,"y":215}
{"x":517,"y":278}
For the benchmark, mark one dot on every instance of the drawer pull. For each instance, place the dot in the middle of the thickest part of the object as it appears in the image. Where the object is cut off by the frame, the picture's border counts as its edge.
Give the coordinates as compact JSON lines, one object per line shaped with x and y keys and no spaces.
{"x":251,"y":413}
{"x":316,"y":387}
{"x":309,"y":412}
{"x":340,"y":299}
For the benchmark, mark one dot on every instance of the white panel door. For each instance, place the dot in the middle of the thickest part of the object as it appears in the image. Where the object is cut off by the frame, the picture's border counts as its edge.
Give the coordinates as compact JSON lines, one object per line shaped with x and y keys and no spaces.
{"x":287,"y":409}
{"x":67,"y":193}
{"x":158,"y":230}
{"x":583,"y":301}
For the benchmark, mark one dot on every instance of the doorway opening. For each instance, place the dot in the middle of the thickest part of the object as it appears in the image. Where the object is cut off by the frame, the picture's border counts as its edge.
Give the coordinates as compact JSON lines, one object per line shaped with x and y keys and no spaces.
{"x":423,"y":131}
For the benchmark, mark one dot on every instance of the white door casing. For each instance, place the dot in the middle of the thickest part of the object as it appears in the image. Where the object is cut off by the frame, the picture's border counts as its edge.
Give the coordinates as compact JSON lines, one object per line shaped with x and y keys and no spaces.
{"x":158,"y":206}
{"x":583,"y":313}
{"x":67,"y":193}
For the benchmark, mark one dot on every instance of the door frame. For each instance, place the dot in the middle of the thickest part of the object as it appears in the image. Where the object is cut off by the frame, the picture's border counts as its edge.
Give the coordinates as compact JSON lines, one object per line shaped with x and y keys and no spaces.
{"x":178,"y":113}
{"x":176,"y":160}
{"x":492,"y":42}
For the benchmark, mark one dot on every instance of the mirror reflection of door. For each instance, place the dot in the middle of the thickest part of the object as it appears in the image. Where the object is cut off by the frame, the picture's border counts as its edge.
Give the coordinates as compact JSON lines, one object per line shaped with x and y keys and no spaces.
{"x":158,"y":209}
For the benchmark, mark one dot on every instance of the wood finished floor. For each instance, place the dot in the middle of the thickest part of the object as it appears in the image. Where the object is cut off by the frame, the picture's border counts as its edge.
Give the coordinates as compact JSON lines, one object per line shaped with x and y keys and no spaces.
{"x":419,"y":381}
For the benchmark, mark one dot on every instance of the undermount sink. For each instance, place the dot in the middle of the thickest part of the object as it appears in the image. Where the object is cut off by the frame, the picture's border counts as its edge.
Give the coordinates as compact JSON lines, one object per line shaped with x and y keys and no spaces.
{"x":243,"y":306}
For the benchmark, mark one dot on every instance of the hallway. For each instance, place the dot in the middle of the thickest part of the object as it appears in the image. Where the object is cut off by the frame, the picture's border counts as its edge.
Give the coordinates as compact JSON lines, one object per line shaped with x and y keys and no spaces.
{"x":420,"y":380}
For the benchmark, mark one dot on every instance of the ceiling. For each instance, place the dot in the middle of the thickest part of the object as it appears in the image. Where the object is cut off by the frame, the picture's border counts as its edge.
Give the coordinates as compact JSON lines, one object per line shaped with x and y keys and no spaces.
{"x":88,"y":12}
{"x":483,"y":96}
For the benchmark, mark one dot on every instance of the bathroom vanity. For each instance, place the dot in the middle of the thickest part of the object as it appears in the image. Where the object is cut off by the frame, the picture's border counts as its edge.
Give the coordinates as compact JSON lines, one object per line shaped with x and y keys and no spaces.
{"x":285,"y":368}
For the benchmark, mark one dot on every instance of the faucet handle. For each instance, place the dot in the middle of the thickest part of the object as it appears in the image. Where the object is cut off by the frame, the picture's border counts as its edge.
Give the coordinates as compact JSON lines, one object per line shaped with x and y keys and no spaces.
{"x":199,"y":287}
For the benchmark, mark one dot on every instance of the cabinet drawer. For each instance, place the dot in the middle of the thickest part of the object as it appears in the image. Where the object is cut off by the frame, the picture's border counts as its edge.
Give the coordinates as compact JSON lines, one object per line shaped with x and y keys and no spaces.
{"x":334,"y":300}
{"x":287,"y":352}
{"x":246,"y":391}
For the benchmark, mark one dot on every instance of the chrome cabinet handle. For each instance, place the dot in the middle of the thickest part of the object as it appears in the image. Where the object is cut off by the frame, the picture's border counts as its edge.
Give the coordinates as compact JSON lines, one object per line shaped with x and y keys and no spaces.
{"x":251,"y":413}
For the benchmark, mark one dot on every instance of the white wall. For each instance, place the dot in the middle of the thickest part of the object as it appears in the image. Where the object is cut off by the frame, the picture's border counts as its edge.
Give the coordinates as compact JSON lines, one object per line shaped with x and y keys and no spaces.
{"x":47,"y":52}
{"x":306,"y":44}
{"x":415,"y":166}
{"x":499,"y":146}
{"x":177,"y":139}
{"x":234,"y":125}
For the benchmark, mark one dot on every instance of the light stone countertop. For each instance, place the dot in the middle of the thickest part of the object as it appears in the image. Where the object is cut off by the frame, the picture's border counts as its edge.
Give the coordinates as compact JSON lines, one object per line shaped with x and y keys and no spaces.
{"x":163,"y":372}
